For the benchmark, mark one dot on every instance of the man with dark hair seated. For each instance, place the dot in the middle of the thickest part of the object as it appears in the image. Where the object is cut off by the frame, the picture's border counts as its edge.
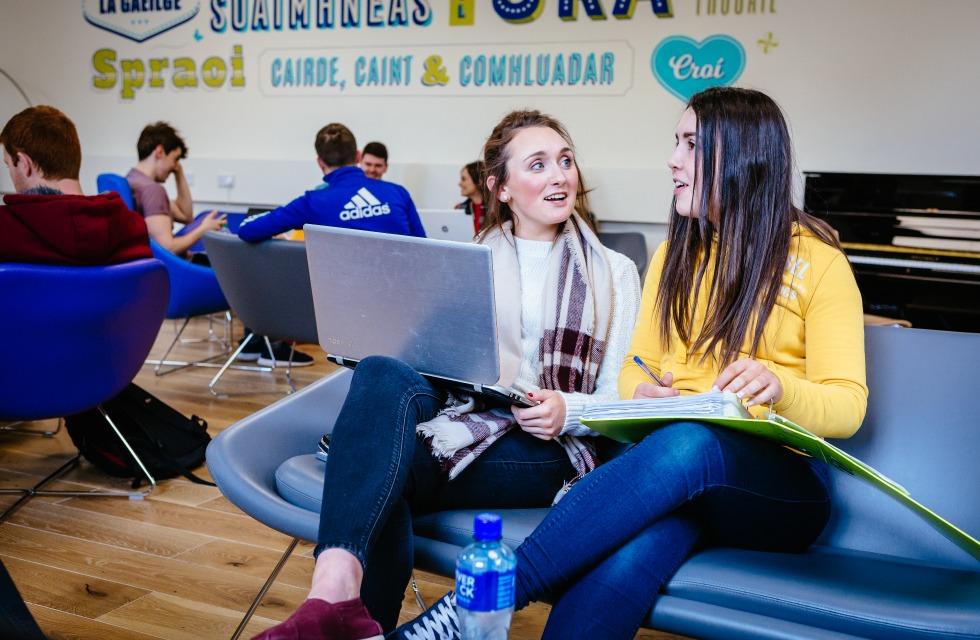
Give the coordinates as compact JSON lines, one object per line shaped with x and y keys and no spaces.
{"x":160,"y":150}
{"x":49,"y":220}
{"x":374,"y":160}
{"x":347,"y":199}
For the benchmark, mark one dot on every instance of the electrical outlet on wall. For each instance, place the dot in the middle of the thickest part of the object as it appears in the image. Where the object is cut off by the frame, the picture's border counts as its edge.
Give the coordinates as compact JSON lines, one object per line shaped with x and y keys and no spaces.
{"x":226,"y":180}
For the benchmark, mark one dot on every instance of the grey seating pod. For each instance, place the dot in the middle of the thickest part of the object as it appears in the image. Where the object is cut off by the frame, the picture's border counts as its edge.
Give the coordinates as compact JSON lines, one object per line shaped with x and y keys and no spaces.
{"x":878,"y":570}
{"x":631,"y":244}
{"x":268,"y":286}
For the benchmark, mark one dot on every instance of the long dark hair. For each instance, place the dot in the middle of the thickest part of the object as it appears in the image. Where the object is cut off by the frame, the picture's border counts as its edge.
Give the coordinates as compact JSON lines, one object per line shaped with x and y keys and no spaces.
{"x":475,"y":171}
{"x":495,"y":156}
{"x":745,"y":163}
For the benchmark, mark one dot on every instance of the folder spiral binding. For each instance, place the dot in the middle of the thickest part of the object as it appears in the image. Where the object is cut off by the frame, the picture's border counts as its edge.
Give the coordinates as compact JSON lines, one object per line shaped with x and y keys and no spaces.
{"x":632,"y":420}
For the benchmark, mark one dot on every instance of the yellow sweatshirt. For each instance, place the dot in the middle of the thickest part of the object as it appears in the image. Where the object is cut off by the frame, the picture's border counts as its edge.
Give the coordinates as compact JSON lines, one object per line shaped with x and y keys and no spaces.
{"x":813,"y":341}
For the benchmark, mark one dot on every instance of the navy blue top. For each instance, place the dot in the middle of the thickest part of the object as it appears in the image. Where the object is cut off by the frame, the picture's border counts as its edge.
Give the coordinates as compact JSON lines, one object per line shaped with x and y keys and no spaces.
{"x":347,"y":199}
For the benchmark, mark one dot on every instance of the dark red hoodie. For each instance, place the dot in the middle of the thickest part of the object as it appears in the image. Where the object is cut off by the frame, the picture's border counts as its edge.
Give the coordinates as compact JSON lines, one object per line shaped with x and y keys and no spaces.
{"x":74,"y":230}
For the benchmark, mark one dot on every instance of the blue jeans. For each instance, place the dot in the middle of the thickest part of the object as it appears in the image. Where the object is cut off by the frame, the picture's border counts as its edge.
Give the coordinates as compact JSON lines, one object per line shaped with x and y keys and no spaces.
{"x":603,"y":553}
{"x":379,"y":474}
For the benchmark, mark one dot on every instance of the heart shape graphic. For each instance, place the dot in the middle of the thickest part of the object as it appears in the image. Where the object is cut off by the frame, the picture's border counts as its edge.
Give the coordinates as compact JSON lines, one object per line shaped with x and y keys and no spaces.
{"x":685,"y":66}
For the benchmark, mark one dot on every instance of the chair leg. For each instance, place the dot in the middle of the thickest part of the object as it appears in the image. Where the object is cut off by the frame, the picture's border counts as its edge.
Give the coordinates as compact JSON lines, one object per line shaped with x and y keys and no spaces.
{"x":289,"y":370}
{"x":177,"y":365}
{"x":268,"y":345}
{"x":229,"y":333}
{"x":289,"y":364}
{"x":146,"y":472}
{"x":32,"y":491}
{"x":44,"y":433}
{"x":227,"y":364}
{"x":419,"y":600}
{"x":39,"y":490}
{"x":213,"y":385}
{"x":212,"y":336}
{"x":163,"y":359}
{"x":265,"y":589}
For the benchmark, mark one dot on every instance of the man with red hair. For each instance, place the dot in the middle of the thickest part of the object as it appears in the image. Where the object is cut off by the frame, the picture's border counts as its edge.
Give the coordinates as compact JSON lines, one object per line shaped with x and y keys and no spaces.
{"x":49,"y":220}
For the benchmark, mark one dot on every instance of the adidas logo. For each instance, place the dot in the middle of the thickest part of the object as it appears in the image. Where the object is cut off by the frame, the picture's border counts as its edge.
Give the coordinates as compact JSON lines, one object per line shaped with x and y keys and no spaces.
{"x":364,"y":205}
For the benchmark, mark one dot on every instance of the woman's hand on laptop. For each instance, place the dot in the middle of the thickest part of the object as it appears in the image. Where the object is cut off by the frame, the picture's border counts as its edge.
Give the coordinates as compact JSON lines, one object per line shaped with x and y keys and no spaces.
{"x":544,"y":420}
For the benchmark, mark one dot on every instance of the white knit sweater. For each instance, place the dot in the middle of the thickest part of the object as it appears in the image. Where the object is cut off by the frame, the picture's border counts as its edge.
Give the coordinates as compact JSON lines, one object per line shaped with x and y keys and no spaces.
{"x":533,"y":258}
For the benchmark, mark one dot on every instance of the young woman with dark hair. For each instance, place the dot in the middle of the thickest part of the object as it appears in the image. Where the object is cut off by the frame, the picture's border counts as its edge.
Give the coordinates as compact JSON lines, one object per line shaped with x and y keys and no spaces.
{"x":749,"y":295}
{"x":403,"y":446}
{"x":471,"y":187}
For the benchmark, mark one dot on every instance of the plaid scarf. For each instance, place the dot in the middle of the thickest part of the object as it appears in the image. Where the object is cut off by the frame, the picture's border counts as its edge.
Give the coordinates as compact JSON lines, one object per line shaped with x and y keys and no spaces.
{"x":577,"y":320}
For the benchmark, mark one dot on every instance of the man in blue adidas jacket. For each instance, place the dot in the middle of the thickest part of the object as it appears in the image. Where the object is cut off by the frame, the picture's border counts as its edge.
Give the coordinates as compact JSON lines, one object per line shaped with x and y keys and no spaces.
{"x":347,"y":198}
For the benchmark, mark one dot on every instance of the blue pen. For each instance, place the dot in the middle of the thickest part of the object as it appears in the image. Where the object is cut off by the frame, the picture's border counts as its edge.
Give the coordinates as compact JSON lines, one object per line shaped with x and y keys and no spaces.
{"x":642,"y":365}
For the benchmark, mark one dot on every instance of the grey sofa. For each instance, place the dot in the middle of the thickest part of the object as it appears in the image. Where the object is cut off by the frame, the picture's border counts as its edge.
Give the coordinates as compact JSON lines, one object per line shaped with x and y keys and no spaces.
{"x":878,"y":570}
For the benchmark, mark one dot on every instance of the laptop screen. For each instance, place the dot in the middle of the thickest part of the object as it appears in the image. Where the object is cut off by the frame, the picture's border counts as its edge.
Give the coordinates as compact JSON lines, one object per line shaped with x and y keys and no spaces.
{"x":428,"y":303}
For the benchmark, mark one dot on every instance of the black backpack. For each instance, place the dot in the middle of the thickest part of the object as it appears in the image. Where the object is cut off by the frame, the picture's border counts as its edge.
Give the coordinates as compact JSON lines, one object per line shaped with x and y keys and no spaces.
{"x":168,"y":443}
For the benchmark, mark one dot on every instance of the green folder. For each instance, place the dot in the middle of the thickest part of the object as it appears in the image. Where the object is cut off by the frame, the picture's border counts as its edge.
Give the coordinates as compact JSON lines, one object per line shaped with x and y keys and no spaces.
{"x":778,"y":428}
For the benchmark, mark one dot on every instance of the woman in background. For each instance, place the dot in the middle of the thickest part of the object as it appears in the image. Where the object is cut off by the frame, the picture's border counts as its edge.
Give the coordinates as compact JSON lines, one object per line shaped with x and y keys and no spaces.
{"x":471,"y":188}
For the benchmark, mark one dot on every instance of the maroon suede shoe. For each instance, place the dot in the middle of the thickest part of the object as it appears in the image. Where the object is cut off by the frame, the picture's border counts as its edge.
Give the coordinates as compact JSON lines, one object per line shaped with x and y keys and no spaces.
{"x":321,"y":620}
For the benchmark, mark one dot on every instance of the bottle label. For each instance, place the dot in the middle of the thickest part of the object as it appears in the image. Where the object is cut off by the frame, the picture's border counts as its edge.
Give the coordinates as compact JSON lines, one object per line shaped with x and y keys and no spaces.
{"x":490,"y":591}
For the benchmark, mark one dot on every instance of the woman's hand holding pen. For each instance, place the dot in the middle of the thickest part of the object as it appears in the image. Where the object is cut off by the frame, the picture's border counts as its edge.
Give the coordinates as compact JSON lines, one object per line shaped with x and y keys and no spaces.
{"x":661,"y":387}
{"x":751,"y":381}
{"x":647,"y":390}
{"x":544,"y":420}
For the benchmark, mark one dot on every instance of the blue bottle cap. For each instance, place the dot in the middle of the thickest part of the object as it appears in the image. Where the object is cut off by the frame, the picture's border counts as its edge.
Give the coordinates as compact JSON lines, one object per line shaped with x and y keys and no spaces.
{"x":487,"y":526}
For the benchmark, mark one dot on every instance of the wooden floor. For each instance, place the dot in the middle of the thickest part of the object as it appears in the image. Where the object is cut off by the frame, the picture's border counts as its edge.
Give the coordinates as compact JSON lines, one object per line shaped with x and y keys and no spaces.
{"x":183,"y":563}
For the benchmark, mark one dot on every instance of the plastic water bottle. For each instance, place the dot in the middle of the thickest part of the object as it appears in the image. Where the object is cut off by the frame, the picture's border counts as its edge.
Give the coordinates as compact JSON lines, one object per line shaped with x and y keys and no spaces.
{"x":485,"y":582}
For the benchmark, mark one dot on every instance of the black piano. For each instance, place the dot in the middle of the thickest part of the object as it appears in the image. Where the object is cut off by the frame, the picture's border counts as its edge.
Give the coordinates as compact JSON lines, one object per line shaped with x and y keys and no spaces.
{"x":913,"y":241}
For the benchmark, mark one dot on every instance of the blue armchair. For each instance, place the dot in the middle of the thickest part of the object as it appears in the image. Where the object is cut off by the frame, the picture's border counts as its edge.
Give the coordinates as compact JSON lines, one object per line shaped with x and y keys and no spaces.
{"x":194,"y":289}
{"x":96,"y":325}
{"x":115,"y":182}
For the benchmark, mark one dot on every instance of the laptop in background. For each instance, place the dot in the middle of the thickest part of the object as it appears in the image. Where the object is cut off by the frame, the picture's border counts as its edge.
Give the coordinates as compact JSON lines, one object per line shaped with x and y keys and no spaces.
{"x":447,"y":224}
{"x":233,"y":220}
{"x":428,"y":303}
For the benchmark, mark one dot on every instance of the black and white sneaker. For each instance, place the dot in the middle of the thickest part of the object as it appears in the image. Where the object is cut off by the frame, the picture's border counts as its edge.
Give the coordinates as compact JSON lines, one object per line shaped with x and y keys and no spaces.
{"x":323,"y":447}
{"x":438,"y":622}
{"x":252,"y":351}
{"x":280,"y":351}
{"x":256,"y":350}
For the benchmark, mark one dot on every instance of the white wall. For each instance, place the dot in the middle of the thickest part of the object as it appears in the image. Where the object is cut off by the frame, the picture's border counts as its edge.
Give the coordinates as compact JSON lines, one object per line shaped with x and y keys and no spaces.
{"x":875,"y":86}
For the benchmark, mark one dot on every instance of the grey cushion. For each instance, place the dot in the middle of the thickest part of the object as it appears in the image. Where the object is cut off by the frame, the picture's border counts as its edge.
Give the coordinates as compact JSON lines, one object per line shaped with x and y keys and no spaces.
{"x":299,"y":481}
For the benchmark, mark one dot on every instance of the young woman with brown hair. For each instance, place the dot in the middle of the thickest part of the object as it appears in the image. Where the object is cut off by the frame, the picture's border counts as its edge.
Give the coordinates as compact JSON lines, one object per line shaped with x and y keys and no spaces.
{"x":396,"y":448}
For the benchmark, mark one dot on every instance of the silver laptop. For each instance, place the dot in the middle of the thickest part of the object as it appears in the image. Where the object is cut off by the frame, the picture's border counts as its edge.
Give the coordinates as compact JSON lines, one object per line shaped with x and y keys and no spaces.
{"x":447,"y":224}
{"x":426,"y":302}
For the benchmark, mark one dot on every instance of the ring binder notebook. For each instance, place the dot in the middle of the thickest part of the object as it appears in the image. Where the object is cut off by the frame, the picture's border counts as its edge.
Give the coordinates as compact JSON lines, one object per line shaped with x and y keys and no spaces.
{"x":632,"y":420}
